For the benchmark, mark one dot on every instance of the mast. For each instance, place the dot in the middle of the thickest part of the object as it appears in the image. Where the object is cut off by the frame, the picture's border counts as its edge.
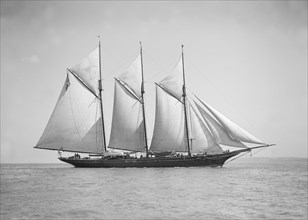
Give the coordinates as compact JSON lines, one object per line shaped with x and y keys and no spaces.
{"x":184,"y":102}
{"x":100,"y":88}
{"x":142,"y":104}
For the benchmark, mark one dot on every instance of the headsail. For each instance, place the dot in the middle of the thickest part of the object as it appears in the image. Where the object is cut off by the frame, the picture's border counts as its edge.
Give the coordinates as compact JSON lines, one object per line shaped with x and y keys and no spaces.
{"x":127,"y":131}
{"x":221,"y":136}
{"x":200,"y":136}
{"x":235,"y":132}
{"x":75,"y":124}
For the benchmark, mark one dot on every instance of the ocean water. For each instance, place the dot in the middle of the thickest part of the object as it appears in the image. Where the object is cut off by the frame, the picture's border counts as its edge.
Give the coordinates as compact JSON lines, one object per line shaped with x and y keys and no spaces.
{"x":248,"y":189}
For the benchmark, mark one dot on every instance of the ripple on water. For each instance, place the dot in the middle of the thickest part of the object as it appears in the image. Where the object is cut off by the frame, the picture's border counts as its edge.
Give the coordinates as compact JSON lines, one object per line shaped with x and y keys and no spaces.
{"x":237,"y":191}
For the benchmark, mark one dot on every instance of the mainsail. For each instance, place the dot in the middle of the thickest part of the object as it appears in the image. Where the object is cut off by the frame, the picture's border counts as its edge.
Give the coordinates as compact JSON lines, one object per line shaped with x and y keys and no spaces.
{"x":76,"y":122}
{"x":127,"y":130}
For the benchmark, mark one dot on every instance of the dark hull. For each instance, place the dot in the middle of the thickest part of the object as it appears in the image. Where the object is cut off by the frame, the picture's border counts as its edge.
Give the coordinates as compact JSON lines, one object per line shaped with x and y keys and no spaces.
{"x":195,"y":161}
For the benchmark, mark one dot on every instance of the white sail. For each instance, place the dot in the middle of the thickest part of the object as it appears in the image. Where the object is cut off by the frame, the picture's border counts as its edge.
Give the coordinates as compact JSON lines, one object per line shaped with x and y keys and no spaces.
{"x":88,"y":71}
{"x":235,"y":132}
{"x":127,"y":131}
{"x":173,"y":83}
{"x":75,"y":124}
{"x":221,"y":136}
{"x":132,"y":77}
{"x":169,"y":129}
{"x":201,"y":139}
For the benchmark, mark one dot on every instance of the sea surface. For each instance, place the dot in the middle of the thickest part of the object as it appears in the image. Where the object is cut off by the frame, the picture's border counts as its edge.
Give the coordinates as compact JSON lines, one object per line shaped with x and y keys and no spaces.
{"x":257,"y":188}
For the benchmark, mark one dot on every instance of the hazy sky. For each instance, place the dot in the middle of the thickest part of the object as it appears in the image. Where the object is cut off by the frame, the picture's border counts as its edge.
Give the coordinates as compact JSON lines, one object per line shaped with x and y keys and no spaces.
{"x":246,"y":59}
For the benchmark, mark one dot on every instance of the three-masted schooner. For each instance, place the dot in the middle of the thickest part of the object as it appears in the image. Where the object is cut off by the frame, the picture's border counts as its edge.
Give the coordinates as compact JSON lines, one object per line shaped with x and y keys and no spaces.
{"x":187,"y":131}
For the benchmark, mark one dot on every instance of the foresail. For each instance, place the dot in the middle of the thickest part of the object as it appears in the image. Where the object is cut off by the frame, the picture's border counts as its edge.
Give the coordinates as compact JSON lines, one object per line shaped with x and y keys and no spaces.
{"x":127,"y":132}
{"x":201,"y":138}
{"x":221,"y":136}
{"x":75,"y":124}
{"x":169,"y":129}
{"x":235,"y":132}
{"x":88,"y":71}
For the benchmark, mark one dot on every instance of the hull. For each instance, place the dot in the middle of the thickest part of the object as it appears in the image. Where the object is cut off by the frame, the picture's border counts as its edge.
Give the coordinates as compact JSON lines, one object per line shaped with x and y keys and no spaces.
{"x":195,"y":161}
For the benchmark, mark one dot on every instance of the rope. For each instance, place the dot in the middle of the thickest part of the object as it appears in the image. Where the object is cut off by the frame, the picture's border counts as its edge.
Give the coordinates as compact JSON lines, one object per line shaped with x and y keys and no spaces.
{"x":259,"y":151}
{"x":237,"y":157}
{"x":245,"y":154}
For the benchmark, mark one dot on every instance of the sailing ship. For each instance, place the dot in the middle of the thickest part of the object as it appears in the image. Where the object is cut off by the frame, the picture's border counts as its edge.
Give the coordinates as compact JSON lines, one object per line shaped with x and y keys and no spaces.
{"x":187,"y":131}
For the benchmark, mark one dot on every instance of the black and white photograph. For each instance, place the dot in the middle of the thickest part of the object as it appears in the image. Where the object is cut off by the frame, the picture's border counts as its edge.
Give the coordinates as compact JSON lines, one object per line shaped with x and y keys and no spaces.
{"x":153,"y":110}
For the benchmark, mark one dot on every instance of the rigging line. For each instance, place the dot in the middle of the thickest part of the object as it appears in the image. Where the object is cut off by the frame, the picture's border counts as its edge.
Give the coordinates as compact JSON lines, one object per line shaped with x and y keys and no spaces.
{"x":74,"y":114}
{"x":159,"y":72}
{"x":119,"y":67}
{"x":190,"y":120}
{"x":237,"y":157}
{"x":258,"y":151}
{"x":94,"y":100}
{"x":96,"y":129}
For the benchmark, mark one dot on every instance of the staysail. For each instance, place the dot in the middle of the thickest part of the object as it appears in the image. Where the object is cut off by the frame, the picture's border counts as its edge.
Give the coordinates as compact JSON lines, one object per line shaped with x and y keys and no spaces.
{"x":76,"y":122}
{"x":127,"y":130}
{"x":201,"y":138}
{"x":221,"y":136}
{"x":234,"y":131}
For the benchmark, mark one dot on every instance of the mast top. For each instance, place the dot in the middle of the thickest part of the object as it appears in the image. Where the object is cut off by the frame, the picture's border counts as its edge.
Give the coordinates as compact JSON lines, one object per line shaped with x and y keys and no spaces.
{"x":140,"y":46}
{"x":99,"y":40}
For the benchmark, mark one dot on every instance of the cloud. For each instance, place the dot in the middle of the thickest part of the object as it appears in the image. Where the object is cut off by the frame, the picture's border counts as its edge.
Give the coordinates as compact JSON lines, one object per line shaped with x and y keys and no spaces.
{"x":32,"y":59}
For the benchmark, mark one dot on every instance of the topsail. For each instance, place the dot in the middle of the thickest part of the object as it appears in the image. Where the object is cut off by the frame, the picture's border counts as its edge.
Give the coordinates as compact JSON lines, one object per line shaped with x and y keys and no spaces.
{"x":88,"y":71}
